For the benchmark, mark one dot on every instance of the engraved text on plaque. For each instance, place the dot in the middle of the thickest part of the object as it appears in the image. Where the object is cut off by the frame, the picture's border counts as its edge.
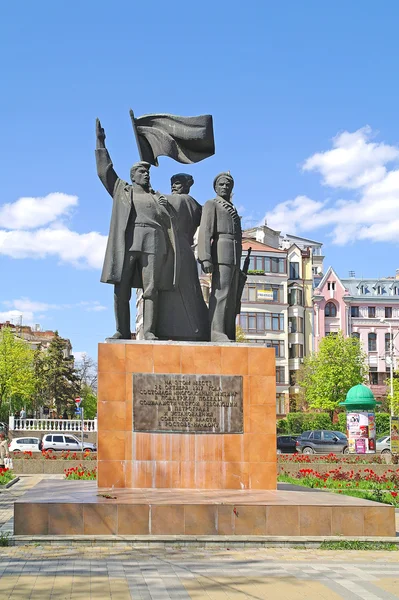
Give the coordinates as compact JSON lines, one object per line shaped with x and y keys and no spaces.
{"x":187,"y":403}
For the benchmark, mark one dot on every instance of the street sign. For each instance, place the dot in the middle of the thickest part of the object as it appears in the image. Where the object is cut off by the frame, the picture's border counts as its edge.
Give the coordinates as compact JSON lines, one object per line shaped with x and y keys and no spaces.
{"x":78,"y":411}
{"x":78,"y":401}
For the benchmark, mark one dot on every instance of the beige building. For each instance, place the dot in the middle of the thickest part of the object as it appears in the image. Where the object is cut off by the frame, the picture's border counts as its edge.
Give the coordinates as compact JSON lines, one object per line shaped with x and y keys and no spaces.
{"x":36,"y":337}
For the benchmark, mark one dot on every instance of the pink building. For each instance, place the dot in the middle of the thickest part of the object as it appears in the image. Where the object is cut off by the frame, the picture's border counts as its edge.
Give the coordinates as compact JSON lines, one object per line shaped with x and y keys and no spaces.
{"x":366,"y":308}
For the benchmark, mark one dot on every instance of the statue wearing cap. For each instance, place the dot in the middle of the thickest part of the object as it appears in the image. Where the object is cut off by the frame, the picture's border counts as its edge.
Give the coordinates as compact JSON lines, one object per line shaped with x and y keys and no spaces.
{"x":219,"y":252}
{"x":140,"y":249}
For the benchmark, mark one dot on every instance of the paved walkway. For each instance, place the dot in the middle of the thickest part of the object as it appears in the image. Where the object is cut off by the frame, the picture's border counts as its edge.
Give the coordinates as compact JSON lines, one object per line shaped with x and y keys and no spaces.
{"x":120,"y":573}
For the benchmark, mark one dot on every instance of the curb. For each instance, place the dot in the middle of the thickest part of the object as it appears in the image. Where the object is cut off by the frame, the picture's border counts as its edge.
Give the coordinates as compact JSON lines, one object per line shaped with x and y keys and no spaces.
{"x":9,"y":484}
{"x":205,"y":541}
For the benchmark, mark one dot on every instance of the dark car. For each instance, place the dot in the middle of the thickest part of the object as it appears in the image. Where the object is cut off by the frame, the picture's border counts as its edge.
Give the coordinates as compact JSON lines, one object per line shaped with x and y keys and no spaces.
{"x":322,"y":441}
{"x":286,"y":444}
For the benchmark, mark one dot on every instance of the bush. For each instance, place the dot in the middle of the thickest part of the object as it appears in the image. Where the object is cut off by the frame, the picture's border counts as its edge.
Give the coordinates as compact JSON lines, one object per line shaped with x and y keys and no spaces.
{"x":299,"y":422}
{"x":282,"y":426}
{"x":382,"y":423}
{"x":341,"y":425}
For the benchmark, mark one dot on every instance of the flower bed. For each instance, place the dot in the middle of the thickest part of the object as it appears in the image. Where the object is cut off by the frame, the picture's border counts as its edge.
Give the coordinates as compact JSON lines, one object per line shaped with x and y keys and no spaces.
{"x":6,"y":475}
{"x":349,"y":459}
{"x":81,"y":472}
{"x":54,"y":455}
{"x":365,"y":484}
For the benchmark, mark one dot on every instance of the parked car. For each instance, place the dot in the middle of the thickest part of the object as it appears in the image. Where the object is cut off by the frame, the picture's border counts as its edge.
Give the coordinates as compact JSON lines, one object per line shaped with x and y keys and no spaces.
{"x":25,"y":444}
{"x":286,"y":444}
{"x":58,"y":441}
{"x":322,"y":441}
{"x":383,"y":445}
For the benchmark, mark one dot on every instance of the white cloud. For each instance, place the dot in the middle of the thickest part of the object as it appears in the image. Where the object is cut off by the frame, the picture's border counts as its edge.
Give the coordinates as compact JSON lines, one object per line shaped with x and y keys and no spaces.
{"x":32,"y":312}
{"x":79,"y":356}
{"x":369,"y":213}
{"x":354,"y":161}
{"x":29,"y":213}
{"x":81,"y":250}
{"x":14,"y":316}
{"x":35,"y":228}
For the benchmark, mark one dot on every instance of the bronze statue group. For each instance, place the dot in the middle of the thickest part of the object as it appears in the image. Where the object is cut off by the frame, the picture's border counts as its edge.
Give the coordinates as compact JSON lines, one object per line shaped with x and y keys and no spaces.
{"x":150,"y":246}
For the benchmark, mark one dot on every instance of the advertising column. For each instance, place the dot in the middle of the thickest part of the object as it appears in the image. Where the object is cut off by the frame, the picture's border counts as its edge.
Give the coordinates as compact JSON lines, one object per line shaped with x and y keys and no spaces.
{"x":360,"y":427}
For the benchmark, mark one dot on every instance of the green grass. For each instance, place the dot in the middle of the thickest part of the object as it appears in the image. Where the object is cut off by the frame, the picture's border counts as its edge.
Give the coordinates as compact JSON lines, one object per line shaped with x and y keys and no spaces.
{"x":354,"y":545}
{"x":5,"y":539}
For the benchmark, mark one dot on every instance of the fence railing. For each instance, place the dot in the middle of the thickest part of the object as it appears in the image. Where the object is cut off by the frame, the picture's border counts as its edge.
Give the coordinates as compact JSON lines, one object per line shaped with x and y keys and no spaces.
{"x":16,"y":424}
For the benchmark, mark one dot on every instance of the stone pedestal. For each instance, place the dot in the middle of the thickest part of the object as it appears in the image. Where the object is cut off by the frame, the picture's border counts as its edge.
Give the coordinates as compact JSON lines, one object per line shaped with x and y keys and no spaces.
{"x":136,"y":459}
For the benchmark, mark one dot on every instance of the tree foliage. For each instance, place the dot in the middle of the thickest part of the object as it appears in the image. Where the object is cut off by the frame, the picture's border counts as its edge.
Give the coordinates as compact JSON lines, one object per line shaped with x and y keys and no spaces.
{"x":17,"y":375}
{"x":86,"y":371}
{"x":394,"y":401}
{"x":328,"y":374}
{"x":61,"y":383}
{"x":240,"y":334}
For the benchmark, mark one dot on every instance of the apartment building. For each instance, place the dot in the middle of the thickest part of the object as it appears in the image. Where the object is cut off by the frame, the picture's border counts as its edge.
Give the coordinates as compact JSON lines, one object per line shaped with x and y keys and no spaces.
{"x":303,"y":267}
{"x":35,"y":337}
{"x":367,"y":309}
{"x":264,"y":310}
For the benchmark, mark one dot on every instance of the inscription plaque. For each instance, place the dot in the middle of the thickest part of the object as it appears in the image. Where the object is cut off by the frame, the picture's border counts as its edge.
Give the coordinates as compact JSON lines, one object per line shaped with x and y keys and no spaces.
{"x":178,"y":403}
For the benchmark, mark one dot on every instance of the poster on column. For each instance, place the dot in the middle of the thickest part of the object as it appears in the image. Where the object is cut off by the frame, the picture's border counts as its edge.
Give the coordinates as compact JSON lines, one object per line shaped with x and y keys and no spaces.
{"x":361,"y":432}
{"x":395,"y":435}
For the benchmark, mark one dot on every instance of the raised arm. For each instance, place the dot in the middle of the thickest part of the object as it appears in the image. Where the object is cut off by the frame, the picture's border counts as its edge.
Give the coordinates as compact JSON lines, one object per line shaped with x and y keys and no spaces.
{"x":105,"y":168}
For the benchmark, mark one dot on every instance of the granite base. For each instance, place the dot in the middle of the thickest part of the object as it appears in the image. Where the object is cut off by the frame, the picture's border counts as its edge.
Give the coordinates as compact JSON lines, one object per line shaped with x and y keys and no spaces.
{"x":82,"y":509}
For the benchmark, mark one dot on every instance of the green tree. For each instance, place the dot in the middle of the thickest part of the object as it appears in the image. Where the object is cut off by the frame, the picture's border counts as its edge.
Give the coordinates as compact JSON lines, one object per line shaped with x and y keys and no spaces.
{"x":86,"y":370}
{"x":61,"y":384}
{"x":240,"y":334}
{"x":393,"y":402}
{"x":328,"y":374}
{"x":89,"y":401}
{"x":17,"y":376}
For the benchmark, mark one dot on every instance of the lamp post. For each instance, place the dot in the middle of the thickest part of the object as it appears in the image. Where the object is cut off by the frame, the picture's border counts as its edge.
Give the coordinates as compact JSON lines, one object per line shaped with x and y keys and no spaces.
{"x":390,"y":361}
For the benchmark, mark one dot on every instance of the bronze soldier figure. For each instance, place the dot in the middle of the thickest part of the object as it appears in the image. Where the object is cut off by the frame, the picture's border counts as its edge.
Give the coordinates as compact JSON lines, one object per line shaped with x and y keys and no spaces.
{"x":219,"y":252}
{"x":139,"y":245}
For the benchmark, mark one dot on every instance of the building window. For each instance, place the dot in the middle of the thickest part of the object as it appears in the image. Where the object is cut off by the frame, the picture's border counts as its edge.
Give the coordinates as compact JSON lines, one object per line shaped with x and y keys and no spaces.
{"x":371,"y":312}
{"x":280,"y":404}
{"x":266,"y":264}
{"x":331,"y":286}
{"x":387,"y":342}
{"x":295,"y":297}
{"x":296,"y":351}
{"x":388,"y":312}
{"x":260,"y":293}
{"x":280,"y":374}
{"x":354,"y":311}
{"x":330,"y":310}
{"x":373,"y":376}
{"x":396,"y":291}
{"x":261,"y":322}
{"x":278,"y":346}
{"x":356,"y":335}
{"x":295,"y":325}
{"x":294,"y":270}
{"x":372,"y":342}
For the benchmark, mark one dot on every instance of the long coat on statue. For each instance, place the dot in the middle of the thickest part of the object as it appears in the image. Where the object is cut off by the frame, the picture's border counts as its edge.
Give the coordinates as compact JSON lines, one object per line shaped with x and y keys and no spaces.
{"x":159,"y":240}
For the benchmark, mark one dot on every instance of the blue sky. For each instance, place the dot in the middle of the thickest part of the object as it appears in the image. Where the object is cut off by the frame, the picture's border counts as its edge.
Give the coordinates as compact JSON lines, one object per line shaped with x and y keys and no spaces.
{"x":304,"y":97}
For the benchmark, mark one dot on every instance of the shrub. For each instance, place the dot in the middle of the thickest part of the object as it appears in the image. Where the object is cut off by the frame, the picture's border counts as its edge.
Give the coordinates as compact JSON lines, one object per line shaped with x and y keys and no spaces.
{"x":382,"y":423}
{"x":282,"y":426}
{"x":299,"y":422}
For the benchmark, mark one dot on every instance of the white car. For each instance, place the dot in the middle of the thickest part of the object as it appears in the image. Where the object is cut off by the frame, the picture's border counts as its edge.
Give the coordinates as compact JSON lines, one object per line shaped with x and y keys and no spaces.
{"x":25,"y":444}
{"x":58,"y":441}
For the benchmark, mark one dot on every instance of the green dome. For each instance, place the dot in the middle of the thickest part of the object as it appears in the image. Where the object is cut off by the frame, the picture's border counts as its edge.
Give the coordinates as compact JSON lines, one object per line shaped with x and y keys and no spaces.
{"x":359,"y":396}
